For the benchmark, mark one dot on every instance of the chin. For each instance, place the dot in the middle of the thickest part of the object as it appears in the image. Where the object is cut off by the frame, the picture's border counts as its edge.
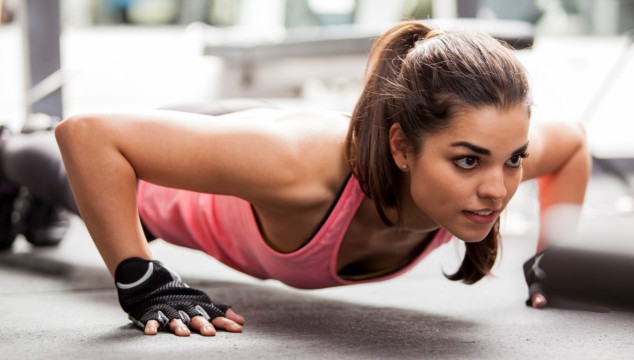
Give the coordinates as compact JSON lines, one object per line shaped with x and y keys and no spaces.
{"x":472,"y":240}
{"x":473,"y":236}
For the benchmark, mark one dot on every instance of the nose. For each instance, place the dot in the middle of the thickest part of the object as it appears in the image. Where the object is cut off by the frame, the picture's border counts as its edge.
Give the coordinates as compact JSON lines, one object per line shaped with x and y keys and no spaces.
{"x":493,"y":186}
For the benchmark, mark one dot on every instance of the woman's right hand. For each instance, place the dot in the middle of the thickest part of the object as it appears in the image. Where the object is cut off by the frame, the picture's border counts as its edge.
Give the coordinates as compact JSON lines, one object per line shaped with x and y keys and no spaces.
{"x":156,"y":298}
{"x":231,"y":323}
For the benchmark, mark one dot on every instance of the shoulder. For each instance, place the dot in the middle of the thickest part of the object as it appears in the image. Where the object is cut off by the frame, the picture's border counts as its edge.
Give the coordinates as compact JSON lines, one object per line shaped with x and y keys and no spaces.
{"x":312,"y":137}
{"x":318,"y":139}
{"x":309,"y":148}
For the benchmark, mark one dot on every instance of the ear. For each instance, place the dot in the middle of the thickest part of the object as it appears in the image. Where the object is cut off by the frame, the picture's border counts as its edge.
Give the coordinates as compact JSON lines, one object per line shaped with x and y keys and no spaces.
{"x":399,"y":146}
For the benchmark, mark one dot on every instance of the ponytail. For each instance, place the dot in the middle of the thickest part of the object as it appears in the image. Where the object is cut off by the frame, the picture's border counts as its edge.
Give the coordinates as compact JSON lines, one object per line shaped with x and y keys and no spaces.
{"x":418,"y":78}
{"x":368,"y":149}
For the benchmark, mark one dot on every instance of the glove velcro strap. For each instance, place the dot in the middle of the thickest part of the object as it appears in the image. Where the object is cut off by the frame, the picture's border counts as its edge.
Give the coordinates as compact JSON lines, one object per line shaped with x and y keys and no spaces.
{"x":151,"y":291}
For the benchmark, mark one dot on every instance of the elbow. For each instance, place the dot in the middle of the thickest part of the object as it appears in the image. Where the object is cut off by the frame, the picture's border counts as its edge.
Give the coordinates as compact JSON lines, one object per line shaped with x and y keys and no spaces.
{"x":581,"y":135}
{"x":577,"y":145}
{"x":583,"y":150}
{"x":579,"y":160}
{"x":64,"y":130}
{"x":76,"y":133}
{"x":566,"y":152}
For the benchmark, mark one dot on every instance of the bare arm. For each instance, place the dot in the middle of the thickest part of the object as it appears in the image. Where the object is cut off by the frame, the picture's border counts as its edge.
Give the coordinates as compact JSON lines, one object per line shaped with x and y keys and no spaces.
{"x":105,"y":155}
{"x":560,"y":160}
{"x":258,"y":159}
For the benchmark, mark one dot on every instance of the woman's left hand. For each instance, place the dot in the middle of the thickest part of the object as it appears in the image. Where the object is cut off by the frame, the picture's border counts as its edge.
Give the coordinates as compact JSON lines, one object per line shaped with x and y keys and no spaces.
{"x":538,"y":301}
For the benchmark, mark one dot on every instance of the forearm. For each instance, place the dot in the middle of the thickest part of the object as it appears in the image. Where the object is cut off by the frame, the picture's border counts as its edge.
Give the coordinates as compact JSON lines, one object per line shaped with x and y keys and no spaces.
{"x":561,"y":195}
{"x":104,"y":186}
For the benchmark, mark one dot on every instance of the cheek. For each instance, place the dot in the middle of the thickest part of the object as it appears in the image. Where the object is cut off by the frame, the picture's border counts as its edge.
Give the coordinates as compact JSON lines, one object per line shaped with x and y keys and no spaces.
{"x":438,"y":190}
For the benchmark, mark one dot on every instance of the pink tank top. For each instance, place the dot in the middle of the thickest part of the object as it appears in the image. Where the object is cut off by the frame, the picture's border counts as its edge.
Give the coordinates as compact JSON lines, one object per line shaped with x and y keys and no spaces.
{"x":225,"y":227}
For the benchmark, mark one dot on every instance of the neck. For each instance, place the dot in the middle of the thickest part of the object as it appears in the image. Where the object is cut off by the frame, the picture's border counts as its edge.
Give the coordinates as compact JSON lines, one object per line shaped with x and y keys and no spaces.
{"x":412,"y":217}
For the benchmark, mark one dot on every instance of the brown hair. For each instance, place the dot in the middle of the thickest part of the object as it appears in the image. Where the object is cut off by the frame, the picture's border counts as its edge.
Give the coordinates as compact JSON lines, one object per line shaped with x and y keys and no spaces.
{"x":420,"y":78}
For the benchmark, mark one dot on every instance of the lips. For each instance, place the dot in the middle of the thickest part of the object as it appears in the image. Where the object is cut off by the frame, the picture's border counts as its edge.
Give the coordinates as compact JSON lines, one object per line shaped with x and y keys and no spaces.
{"x":482,"y":217}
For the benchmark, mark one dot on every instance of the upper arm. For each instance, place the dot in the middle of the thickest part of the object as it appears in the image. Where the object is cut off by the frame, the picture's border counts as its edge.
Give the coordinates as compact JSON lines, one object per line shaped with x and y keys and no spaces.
{"x":550,"y":148}
{"x":250,"y":158}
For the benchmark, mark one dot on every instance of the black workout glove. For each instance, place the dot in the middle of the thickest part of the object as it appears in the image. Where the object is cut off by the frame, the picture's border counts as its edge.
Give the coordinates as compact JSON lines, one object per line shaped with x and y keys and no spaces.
{"x":581,"y":279}
{"x":150,"y":291}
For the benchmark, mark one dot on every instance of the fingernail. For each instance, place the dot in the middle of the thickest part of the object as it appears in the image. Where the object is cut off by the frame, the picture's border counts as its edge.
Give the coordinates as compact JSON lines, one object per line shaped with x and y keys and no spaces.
{"x":151,"y":329}
{"x":183,"y":328}
{"x":539,"y":301}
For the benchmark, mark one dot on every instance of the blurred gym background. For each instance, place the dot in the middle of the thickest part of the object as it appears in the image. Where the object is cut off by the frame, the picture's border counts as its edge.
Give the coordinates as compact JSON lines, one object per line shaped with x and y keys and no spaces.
{"x":63,"y":57}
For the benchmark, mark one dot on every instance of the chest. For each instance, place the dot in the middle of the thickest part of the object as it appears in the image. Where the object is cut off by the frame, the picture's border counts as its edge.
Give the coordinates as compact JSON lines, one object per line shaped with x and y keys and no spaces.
{"x":371,"y":247}
{"x":367,"y":246}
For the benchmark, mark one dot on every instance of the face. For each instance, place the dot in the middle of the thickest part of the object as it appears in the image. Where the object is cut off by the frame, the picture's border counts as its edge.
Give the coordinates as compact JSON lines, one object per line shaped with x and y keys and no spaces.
{"x":464,"y":176}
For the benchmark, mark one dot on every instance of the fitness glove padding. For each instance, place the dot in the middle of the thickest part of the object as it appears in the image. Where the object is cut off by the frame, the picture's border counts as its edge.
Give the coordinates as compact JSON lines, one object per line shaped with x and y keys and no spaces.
{"x":582,"y":279}
{"x":150,"y":291}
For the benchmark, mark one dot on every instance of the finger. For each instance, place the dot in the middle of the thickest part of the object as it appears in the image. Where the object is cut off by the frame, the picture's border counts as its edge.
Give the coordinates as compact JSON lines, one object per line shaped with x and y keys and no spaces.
{"x":539,"y":301}
{"x":202,"y":325}
{"x":226,"y":324}
{"x":232,"y":315}
{"x":151,"y":327}
{"x":179,"y":328}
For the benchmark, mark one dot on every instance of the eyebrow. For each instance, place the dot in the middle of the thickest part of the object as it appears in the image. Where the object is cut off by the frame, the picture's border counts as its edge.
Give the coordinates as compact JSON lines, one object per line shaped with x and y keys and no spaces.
{"x":484,"y":151}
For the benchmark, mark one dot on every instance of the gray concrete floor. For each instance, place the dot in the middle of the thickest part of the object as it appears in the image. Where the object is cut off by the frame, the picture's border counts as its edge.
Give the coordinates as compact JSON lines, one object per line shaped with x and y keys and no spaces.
{"x":60,"y":303}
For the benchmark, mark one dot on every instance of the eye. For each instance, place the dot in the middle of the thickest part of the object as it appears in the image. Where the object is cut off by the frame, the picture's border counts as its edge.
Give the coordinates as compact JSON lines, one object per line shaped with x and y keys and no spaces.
{"x":467,"y":162}
{"x":516,"y":160}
